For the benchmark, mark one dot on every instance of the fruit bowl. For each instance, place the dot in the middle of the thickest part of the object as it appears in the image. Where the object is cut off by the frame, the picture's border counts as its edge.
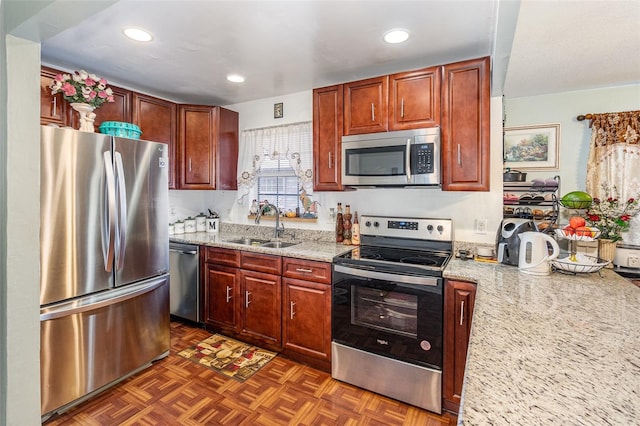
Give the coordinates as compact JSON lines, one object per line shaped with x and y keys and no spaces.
{"x":562,"y":233}
{"x":582,"y":264}
{"x":577,"y":205}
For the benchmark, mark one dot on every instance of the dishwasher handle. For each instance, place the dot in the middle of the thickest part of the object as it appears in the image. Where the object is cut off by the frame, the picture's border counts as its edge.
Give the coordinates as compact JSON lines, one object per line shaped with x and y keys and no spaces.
{"x":184,"y":251}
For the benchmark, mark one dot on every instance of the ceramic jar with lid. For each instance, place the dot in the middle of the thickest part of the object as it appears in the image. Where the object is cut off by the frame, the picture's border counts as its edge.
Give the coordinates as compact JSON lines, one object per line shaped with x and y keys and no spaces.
{"x":189,"y":225}
{"x":201,"y":222}
{"x":178,"y":227}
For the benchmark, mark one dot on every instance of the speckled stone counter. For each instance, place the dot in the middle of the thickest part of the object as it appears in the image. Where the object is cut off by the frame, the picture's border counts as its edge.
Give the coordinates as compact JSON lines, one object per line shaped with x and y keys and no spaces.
{"x":319,"y":250}
{"x":559,"y":349}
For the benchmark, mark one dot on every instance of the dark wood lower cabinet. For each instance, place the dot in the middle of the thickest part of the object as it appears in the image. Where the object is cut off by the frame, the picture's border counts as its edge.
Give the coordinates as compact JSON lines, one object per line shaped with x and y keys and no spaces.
{"x":280,"y":304}
{"x":459,"y":298}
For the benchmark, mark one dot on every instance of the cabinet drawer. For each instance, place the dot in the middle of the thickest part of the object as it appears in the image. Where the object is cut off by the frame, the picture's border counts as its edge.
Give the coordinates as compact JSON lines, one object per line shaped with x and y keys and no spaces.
{"x":261,"y":262}
{"x":224,"y":257}
{"x":307,"y":270}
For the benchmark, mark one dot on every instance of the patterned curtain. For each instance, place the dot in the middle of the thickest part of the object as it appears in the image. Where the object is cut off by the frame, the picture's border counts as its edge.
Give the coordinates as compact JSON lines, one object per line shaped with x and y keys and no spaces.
{"x":291,"y":141}
{"x":614,"y":160}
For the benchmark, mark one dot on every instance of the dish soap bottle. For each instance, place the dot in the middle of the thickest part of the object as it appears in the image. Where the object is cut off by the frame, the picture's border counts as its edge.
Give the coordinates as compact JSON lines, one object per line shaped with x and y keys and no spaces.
{"x":339,"y":229}
{"x":355,"y":231}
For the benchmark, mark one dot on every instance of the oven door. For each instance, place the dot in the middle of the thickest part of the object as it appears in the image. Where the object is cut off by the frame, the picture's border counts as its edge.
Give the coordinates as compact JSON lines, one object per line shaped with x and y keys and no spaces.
{"x":392,"y":315}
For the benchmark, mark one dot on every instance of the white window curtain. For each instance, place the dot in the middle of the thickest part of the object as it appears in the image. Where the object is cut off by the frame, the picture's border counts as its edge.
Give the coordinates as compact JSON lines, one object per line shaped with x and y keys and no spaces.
{"x":614,"y":159}
{"x":293,"y":142}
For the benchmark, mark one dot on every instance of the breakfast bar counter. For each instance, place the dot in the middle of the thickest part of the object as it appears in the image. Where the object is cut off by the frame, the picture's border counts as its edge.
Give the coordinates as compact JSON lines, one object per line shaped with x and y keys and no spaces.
{"x":556,"y":349}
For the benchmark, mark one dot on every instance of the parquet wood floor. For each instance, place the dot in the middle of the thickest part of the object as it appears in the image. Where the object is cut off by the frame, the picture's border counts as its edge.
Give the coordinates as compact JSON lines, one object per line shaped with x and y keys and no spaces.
{"x":176,"y":391}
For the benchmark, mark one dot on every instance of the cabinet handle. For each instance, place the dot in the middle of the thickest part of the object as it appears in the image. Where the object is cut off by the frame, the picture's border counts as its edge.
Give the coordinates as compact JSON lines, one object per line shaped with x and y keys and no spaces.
{"x":461,"y":312}
{"x":373,"y":114}
{"x":330,"y":161}
{"x":304,"y":270}
{"x":291,"y":309}
{"x":55,"y":105}
{"x":190,"y":160}
{"x":228,"y":294}
{"x":459,"y":158}
{"x":246,"y":299}
{"x":402,"y":108}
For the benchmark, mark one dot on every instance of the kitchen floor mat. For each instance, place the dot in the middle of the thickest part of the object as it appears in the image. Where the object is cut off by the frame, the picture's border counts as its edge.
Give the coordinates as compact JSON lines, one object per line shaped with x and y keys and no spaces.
{"x":232,"y":358}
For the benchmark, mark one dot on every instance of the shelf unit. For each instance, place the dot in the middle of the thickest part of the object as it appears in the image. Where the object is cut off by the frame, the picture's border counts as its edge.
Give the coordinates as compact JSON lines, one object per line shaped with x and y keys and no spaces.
{"x":532,"y":200}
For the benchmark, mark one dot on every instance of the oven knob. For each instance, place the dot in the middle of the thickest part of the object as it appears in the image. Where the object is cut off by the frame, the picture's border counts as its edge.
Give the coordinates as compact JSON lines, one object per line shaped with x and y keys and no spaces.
{"x":367,"y":223}
{"x":376,"y":224}
{"x":440,"y":228}
{"x":430,"y":228}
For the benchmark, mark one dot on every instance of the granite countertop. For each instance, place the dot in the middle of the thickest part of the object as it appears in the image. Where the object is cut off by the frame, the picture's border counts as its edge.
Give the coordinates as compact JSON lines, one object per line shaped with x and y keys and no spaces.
{"x":323,"y":251}
{"x":557,"y":349}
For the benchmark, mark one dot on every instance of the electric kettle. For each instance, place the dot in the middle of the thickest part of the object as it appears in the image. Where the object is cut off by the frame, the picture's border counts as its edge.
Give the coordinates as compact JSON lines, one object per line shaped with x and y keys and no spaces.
{"x":508,"y":239}
{"x":534,"y":254}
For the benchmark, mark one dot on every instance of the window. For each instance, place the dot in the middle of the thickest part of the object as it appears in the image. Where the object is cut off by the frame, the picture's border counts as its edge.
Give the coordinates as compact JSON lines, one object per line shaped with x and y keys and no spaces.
{"x":274,"y":164}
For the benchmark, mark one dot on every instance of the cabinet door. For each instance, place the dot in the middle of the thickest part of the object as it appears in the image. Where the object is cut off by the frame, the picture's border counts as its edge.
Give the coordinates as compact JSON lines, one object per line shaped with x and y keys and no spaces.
{"x":119,"y":110}
{"x":306,"y":314}
{"x":157,"y":121}
{"x":261,"y":311}
{"x":197,"y":147}
{"x":365,"y":106}
{"x":53,"y":108}
{"x":221,"y":296}
{"x":465,"y":126}
{"x":226,"y":134}
{"x":414,"y":99}
{"x":459,"y":298}
{"x":327,"y":138}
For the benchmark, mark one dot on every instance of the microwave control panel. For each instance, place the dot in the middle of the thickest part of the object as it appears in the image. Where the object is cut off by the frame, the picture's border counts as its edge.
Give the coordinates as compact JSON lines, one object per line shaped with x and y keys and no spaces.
{"x":422,"y":158}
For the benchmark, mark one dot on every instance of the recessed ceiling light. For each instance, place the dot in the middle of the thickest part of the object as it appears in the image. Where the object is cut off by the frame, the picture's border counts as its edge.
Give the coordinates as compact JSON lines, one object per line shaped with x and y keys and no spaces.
{"x":396,"y":36}
{"x":235,"y":78}
{"x":137,"y":34}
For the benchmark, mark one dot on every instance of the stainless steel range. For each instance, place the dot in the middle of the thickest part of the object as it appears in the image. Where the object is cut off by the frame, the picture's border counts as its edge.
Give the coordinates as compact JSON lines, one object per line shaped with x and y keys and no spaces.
{"x":387,"y":321}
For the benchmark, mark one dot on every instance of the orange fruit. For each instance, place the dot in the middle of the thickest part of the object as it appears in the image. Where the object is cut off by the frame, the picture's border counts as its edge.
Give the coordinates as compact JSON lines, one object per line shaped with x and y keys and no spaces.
{"x":584,"y":231}
{"x":577,"y":222}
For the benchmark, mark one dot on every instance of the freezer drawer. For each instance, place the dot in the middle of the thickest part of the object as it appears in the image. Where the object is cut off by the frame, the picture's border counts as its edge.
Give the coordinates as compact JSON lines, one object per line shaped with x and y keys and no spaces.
{"x":185,"y":281}
{"x":89,"y":343}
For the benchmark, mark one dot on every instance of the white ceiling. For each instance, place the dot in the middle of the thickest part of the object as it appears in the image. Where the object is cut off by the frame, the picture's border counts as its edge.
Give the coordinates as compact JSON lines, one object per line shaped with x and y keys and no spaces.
{"x":289,"y":46}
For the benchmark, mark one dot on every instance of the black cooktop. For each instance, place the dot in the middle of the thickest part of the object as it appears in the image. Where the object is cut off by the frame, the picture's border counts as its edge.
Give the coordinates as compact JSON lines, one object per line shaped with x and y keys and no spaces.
{"x":397,"y":260}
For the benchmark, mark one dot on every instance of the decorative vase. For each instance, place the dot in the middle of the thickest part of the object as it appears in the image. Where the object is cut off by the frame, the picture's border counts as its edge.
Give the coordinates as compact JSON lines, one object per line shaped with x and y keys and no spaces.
{"x":607,"y":250}
{"x":86,"y":116}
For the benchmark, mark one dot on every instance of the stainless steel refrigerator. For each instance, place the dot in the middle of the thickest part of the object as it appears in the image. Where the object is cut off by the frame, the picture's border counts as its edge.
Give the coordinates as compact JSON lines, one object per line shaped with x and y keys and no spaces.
{"x":104,"y":255}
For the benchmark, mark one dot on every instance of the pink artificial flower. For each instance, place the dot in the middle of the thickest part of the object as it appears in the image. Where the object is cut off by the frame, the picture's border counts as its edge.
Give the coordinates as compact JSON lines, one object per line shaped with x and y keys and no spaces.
{"x":110,"y":99}
{"x":103,"y":82}
{"x":102,"y":94}
{"x":92,"y":95}
{"x":59,"y":78}
{"x":68,"y":89}
{"x":89,"y":82}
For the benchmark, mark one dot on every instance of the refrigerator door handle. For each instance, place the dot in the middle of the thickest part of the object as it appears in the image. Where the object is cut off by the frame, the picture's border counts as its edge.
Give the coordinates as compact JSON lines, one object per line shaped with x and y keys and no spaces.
{"x":121,"y":189}
{"x":109,"y":222}
{"x":97,"y":301}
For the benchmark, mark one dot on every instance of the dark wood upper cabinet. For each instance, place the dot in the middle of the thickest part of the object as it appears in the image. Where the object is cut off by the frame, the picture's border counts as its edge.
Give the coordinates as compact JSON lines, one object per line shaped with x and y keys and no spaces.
{"x":327,"y":138}
{"x":157,"y":120}
{"x":414,"y":99}
{"x":208,"y":147}
{"x":53,"y":108}
{"x":366,"y":106}
{"x":465,"y":126}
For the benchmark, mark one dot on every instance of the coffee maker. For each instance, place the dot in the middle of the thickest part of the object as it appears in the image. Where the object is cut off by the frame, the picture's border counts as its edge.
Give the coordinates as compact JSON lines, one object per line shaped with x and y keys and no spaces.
{"x":508,"y":239}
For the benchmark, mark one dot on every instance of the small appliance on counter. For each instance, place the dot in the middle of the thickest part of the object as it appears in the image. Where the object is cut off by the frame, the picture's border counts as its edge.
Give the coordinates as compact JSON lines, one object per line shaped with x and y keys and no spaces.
{"x":626,"y":262}
{"x":508,"y":239}
{"x":534,"y":257}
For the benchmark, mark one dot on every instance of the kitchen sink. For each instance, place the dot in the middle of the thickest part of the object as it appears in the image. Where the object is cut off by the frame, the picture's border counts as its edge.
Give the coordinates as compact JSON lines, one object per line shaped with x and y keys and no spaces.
{"x":249,"y":241}
{"x":277,"y":244}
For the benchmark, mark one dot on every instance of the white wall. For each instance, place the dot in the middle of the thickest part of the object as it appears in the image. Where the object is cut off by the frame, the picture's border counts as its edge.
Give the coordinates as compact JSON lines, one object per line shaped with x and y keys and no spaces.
{"x":463,"y":207}
{"x":21,"y":355}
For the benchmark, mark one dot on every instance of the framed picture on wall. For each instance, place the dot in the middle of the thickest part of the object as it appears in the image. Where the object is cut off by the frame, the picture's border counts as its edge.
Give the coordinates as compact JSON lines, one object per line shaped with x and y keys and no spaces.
{"x":532,"y":147}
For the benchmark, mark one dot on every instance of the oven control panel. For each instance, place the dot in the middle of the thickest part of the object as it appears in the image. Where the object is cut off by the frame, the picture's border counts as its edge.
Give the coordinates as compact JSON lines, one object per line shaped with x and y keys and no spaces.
{"x":418,"y":228}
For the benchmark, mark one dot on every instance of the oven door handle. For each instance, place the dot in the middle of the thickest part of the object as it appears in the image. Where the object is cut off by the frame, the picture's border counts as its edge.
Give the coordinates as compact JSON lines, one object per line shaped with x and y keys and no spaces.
{"x":399,"y":278}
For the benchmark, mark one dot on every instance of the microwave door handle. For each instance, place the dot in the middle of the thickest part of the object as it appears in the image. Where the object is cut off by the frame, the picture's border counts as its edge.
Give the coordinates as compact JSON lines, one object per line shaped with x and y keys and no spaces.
{"x":408,"y":160}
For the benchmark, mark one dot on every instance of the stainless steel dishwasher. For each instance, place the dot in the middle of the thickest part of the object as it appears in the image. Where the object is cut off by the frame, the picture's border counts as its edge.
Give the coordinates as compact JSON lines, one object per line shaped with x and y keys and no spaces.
{"x":184,"y":294}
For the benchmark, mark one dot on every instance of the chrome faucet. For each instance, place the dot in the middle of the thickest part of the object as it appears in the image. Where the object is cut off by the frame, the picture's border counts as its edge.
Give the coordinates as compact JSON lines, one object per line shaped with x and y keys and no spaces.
{"x":279,"y":227}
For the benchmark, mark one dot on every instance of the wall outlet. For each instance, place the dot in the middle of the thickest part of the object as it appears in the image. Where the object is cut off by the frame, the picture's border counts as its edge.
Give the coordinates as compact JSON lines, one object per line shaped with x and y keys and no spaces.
{"x":633,"y":261}
{"x":481,"y":226}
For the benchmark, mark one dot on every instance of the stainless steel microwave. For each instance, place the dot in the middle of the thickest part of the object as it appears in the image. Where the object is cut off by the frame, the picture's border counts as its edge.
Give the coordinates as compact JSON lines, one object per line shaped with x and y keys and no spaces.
{"x":402,"y":158}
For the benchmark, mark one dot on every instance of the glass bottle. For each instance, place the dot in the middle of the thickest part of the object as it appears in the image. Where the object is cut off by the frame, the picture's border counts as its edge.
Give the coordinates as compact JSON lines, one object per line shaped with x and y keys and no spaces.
{"x":339,"y":229}
{"x":346,"y":225}
{"x":355,"y":231}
